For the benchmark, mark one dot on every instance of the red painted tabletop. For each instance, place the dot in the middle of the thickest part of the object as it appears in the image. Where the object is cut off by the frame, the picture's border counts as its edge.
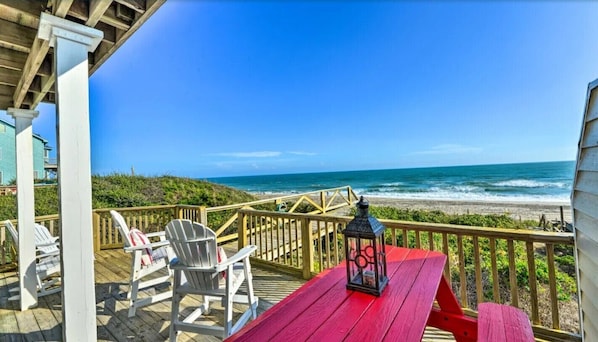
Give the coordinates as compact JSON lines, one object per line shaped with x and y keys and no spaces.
{"x":324,"y":310}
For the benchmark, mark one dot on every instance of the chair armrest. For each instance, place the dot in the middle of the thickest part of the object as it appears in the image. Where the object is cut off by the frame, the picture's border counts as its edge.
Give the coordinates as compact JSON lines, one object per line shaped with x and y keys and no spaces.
{"x":175,"y":265}
{"x":47,"y":255}
{"x":160,"y":234}
{"x":148,"y":245}
{"x":245,"y":252}
{"x":47,"y":244}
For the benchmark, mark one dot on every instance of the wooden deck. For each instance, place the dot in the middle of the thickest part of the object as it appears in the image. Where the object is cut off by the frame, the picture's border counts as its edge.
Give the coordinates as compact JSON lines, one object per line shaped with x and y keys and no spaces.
{"x":150,"y":324}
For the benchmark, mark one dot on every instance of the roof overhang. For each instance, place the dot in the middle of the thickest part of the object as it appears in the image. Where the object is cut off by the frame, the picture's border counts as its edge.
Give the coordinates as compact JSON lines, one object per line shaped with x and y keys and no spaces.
{"x":26,"y":60}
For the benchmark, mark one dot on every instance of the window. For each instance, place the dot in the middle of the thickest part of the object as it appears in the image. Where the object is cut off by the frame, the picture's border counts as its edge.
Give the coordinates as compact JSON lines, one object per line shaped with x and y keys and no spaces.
{"x":2,"y":128}
{"x":36,"y":174}
{"x":1,"y":178}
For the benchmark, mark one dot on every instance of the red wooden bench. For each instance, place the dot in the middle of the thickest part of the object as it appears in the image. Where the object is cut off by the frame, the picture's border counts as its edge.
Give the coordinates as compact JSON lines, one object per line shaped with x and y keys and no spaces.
{"x":498,"y":322}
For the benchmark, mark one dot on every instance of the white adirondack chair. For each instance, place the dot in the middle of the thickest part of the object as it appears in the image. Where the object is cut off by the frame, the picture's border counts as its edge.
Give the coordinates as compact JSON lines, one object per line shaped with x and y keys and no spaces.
{"x":47,"y":267}
{"x":147,"y":259}
{"x":196,"y":251}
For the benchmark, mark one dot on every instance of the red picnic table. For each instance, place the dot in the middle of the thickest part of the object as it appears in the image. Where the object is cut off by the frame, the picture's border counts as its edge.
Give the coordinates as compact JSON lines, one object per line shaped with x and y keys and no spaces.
{"x":324,"y":310}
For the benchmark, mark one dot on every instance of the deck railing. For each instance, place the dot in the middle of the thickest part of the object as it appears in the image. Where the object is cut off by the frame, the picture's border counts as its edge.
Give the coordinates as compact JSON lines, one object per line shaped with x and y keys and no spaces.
{"x":484,"y":263}
{"x":222,"y":219}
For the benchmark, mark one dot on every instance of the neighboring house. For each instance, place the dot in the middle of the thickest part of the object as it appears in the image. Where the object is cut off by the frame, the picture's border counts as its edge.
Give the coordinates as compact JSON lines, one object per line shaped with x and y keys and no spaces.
{"x":42,"y":168}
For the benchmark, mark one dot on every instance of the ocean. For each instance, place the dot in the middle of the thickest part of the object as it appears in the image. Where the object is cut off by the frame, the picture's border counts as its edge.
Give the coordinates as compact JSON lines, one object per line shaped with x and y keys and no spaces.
{"x":547,"y":182}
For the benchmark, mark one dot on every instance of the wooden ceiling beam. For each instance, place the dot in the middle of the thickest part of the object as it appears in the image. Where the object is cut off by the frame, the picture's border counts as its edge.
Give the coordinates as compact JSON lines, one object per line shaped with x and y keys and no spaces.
{"x":6,"y":101}
{"x":15,"y":60}
{"x":6,"y":90}
{"x":31,"y":7}
{"x":9,"y":77}
{"x":97,"y":8}
{"x":61,"y":7}
{"x":39,"y":50}
{"x":136,"y":5}
{"x":109,"y":32}
{"x":104,"y":51}
{"x":46,"y":83}
{"x":22,"y":12}
{"x":110,"y":18}
{"x":12,"y":59}
{"x":16,"y":37}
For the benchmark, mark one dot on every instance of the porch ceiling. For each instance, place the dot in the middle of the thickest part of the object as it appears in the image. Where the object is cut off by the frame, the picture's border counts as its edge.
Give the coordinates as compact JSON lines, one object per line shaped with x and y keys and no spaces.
{"x":26,"y":62}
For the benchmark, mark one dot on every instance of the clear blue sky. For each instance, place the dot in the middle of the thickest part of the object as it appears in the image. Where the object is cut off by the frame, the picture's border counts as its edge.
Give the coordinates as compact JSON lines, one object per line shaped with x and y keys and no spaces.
{"x":222,"y":88}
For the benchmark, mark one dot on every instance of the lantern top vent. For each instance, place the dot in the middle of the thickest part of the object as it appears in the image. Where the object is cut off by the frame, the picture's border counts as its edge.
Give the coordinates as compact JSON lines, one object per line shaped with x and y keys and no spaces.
{"x":364,"y":225}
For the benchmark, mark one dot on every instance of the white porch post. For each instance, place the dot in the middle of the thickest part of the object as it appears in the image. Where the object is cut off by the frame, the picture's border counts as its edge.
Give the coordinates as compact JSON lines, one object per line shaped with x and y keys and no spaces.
{"x":25,"y":205}
{"x":71,"y":42}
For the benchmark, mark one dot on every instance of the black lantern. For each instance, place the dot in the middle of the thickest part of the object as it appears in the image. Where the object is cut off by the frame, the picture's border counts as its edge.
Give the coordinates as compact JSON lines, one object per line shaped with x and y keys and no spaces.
{"x":365,"y":252}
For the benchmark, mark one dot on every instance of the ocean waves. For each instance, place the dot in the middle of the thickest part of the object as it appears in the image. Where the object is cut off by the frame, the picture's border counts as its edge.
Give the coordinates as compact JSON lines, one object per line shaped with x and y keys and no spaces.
{"x":529,"y":182}
{"x":514,"y":190}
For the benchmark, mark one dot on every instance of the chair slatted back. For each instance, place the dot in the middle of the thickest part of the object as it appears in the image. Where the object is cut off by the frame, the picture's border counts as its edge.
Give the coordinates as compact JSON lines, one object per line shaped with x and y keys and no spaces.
{"x":43,"y":236}
{"x":195,"y":245}
{"x":13,"y":232}
{"x":122,"y":226}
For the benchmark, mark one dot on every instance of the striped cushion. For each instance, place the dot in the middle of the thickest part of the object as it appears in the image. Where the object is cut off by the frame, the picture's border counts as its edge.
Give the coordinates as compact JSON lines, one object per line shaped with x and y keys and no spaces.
{"x":139,"y":239}
{"x":222,"y":258}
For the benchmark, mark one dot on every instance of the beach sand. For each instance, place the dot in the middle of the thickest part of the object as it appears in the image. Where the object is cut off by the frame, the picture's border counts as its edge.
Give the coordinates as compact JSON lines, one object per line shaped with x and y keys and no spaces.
{"x":516,"y":210}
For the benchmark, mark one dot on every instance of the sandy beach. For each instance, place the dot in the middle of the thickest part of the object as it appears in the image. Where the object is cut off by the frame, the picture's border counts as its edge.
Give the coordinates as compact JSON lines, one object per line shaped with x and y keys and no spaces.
{"x":516,"y":210}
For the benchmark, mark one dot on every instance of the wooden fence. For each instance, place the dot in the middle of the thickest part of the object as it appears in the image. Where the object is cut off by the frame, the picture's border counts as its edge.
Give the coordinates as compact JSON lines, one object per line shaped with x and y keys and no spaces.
{"x":222,"y":219}
{"x":484,"y":264}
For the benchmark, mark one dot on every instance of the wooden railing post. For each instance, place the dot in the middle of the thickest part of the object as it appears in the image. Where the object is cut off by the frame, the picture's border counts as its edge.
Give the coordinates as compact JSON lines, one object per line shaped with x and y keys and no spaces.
{"x":179,"y":212}
{"x":96,"y":231}
{"x":242,"y":229}
{"x":307,"y":249}
{"x":203,"y":215}
{"x":3,"y":245}
{"x":323,"y":201}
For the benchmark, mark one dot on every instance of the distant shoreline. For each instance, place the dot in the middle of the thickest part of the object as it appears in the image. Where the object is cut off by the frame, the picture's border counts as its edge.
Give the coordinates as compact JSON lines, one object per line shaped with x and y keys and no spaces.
{"x":516,"y":210}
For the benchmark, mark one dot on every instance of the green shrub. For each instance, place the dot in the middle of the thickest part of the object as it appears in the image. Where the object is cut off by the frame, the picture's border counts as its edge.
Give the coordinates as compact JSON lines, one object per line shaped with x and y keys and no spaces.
{"x":120,"y":191}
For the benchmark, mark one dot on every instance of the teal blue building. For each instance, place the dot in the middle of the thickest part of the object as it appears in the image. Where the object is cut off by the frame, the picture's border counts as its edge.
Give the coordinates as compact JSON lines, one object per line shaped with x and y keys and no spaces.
{"x":42,"y":168}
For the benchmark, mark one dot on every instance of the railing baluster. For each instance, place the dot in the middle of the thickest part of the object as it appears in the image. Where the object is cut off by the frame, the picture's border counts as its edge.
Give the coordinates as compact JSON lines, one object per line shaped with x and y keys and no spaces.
{"x":478,"y":271}
{"x":513,"y":274}
{"x":417,"y":240}
{"x":552,"y":284}
{"x":462,"y":276}
{"x":405,"y":238}
{"x":296,"y":247}
{"x":307,"y":251}
{"x":320,"y":246}
{"x":327,"y":238}
{"x":533,"y":285}
{"x":431,"y":240}
{"x":336,"y":249}
{"x":495,"y":285}
{"x":3,"y":245}
{"x":445,"y":250}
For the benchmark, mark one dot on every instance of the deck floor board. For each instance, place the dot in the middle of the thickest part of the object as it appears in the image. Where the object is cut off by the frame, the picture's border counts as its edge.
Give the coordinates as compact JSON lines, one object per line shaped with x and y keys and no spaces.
{"x":151,"y":323}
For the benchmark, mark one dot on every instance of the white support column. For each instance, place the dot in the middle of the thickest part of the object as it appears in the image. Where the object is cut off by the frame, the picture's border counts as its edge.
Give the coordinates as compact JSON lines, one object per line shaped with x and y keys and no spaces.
{"x":71,"y":42}
{"x":25,"y":205}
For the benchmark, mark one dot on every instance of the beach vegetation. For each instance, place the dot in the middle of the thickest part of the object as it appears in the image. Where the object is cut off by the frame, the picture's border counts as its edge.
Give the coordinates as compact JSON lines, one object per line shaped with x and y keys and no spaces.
{"x":121,"y":191}
{"x":566,"y":284}
{"x":437,"y":216}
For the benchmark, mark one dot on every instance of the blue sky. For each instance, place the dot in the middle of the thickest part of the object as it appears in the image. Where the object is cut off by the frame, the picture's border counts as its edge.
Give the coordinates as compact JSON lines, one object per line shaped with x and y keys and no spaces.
{"x":224,"y":88}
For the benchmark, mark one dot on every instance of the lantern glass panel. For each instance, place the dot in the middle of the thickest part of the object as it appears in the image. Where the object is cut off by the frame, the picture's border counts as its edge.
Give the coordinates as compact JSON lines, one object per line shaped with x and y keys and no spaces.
{"x":363,"y":259}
